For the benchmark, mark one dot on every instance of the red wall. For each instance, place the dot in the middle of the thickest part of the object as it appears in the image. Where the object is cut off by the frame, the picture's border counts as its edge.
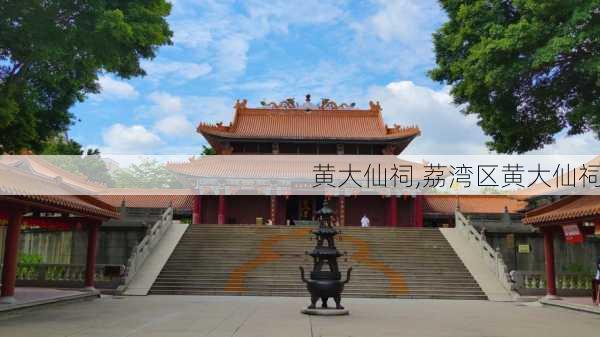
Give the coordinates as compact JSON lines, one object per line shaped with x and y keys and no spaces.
{"x":372,"y":205}
{"x":244,"y":209}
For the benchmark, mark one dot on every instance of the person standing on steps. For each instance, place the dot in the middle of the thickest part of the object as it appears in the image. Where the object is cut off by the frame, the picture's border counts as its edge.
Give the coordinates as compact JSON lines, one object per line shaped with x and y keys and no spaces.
{"x":364,"y":221}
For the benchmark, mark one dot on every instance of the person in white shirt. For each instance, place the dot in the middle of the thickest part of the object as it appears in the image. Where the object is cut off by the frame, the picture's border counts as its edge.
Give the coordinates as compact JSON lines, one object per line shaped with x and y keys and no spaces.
{"x":597,"y":278}
{"x":364,"y":221}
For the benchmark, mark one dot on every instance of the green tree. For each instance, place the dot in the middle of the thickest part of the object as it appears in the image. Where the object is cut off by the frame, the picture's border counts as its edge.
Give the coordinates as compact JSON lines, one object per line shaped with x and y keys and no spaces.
{"x":147,"y":174}
{"x":88,"y":164}
{"x":208,"y":151}
{"x":61,"y":146}
{"x":527,"y":68}
{"x":52,"y":51}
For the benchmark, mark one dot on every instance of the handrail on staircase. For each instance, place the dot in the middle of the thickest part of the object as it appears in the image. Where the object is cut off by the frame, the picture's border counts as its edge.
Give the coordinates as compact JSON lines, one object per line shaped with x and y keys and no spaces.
{"x":144,"y":248}
{"x":492,"y":257}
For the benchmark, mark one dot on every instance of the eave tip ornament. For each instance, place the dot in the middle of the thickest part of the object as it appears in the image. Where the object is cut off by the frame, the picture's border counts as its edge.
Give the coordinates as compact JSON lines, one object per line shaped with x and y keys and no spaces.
{"x":241,"y":104}
{"x":375,"y":106}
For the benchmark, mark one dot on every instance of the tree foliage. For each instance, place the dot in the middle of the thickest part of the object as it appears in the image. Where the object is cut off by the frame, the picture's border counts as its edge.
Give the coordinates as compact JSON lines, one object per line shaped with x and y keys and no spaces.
{"x":52,"y":51}
{"x":147,"y":174}
{"x":208,"y":151}
{"x":61,"y":146}
{"x":527,"y":68}
{"x":88,"y":164}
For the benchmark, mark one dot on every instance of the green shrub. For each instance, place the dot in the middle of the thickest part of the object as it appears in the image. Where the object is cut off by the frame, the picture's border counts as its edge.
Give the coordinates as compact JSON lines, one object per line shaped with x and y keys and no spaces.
{"x":30,"y":259}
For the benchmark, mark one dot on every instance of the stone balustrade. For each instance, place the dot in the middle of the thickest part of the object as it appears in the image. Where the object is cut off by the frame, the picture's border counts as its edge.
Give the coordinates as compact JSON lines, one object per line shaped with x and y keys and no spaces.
{"x":67,"y":275}
{"x":534,"y":282}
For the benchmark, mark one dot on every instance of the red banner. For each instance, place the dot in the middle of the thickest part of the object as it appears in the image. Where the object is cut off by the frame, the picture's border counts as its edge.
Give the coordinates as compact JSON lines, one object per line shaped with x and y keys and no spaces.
{"x":572,"y":234}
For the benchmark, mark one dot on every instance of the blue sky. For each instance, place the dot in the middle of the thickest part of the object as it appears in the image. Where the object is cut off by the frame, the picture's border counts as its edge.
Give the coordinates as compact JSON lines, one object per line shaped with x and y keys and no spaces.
{"x":349,"y":51}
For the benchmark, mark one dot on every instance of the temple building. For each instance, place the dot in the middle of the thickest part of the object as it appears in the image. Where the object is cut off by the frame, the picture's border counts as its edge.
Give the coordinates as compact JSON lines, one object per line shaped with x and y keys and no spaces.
{"x":326,"y":128}
{"x":289,"y":128}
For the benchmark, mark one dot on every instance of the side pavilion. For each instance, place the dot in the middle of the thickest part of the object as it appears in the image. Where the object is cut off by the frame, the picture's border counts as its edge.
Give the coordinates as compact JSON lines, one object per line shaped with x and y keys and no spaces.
{"x":20,"y":197}
{"x":578,"y":214}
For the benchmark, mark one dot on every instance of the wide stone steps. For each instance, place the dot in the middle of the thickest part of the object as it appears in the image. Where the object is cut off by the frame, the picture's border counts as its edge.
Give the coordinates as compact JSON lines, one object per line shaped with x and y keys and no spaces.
{"x":250,"y":260}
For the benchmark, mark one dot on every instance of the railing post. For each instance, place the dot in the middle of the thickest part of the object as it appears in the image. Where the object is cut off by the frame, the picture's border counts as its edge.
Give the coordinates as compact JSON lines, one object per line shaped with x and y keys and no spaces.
{"x":90,"y":266}
{"x":11,"y":252}
{"x":549,"y":261}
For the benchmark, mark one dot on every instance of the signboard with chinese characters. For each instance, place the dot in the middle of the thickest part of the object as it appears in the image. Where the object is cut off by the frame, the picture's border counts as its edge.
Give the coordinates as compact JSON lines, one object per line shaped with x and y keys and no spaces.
{"x":572,"y":234}
{"x":524,"y":248}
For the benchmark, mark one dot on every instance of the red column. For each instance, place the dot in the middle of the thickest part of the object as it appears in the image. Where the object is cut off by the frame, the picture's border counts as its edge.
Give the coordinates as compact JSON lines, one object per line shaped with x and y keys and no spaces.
{"x":11,"y":252}
{"x":273,"y":209}
{"x":418,"y":211}
{"x":342,"y":210}
{"x":221,"y":210}
{"x":549,"y":259}
{"x":197,"y":210}
{"x":92,"y":247}
{"x":393,"y":211}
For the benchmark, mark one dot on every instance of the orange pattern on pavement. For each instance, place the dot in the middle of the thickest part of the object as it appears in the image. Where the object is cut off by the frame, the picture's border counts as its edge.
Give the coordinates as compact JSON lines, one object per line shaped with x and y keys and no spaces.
{"x":362,"y":255}
{"x":237,"y":277}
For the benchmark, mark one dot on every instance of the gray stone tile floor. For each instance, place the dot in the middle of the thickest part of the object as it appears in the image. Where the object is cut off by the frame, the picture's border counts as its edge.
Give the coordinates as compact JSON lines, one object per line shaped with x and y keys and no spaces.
{"x":212,"y":316}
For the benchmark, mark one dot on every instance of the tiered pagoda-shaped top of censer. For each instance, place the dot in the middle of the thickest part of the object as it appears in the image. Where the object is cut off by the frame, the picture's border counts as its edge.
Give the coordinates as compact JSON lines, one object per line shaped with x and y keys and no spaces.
{"x":325,"y":254}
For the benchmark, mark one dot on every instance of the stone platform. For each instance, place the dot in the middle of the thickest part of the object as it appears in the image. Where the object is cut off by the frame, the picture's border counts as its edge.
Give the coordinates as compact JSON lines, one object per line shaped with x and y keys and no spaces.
{"x":241,"y":316}
{"x":325,"y":312}
{"x":26,"y":297}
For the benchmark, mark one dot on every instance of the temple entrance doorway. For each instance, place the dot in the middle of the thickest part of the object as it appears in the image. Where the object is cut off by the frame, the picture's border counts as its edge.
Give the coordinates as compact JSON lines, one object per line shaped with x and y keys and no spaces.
{"x":301,"y":209}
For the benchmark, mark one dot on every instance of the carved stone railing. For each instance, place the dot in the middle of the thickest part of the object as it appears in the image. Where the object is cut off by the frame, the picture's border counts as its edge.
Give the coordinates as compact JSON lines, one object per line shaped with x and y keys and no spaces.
{"x":67,"y":275}
{"x":534,"y":282}
{"x":145,"y":247}
{"x":492,"y":257}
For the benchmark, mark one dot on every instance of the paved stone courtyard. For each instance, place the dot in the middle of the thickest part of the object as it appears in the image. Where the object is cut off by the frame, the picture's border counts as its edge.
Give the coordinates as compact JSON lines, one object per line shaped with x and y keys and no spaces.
{"x":209,"y":316}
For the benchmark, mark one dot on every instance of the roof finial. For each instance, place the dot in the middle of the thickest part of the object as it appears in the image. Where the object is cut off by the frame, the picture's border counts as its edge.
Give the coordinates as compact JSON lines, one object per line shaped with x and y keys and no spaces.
{"x":307,"y":98}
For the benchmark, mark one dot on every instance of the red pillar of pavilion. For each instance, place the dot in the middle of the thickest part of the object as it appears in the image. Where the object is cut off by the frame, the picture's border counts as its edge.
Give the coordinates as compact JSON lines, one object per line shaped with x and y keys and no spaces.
{"x":418,"y":211}
{"x":549,"y":260}
{"x":342,"y":210}
{"x":393,"y":211}
{"x":92,"y":248}
{"x":11,"y":252}
{"x":221,"y":212}
{"x":197,"y":210}
{"x":273,"y":210}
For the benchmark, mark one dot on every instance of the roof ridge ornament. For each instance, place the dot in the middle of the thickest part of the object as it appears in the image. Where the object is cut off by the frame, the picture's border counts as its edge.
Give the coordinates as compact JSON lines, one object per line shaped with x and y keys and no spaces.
{"x":241,"y":104}
{"x":328,"y":104}
{"x":290,"y":103}
{"x":375,"y":106}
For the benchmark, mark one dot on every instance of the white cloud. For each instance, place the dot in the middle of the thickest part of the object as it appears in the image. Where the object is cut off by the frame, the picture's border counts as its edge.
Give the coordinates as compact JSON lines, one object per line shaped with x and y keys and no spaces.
{"x":120,"y":138}
{"x":165,"y":102}
{"x":232,"y":54}
{"x":397,"y":37}
{"x":189,"y":34}
{"x":175,"y":126}
{"x":114,"y":89}
{"x":445,"y":130}
{"x":401,"y":20}
{"x":224,"y":31}
{"x":176,"y":70}
{"x":324,"y":80}
{"x":582,"y":144}
{"x":279,"y":15}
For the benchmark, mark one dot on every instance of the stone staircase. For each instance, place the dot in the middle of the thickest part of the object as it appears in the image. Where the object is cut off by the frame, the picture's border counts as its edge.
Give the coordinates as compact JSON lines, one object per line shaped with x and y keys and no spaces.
{"x":263,"y":261}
